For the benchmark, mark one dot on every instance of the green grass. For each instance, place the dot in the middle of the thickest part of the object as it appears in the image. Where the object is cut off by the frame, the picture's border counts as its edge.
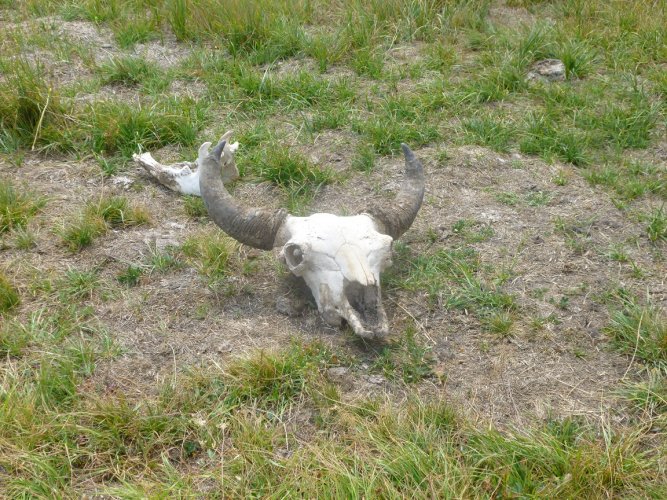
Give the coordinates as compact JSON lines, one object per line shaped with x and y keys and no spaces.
{"x":431,"y":73}
{"x":16,"y":207}
{"x":9,"y":296}
{"x":96,"y":219}
{"x":639,"y":330}
{"x":212,"y":252}
{"x":656,"y":227}
{"x":297,"y":177}
{"x":648,"y":396}
{"x":405,"y":359}
{"x":452,"y":278}
{"x":133,"y":71}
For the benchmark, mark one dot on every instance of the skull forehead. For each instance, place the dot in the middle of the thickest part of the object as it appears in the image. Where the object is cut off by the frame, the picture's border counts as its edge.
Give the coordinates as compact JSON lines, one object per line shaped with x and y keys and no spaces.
{"x":327,"y":233}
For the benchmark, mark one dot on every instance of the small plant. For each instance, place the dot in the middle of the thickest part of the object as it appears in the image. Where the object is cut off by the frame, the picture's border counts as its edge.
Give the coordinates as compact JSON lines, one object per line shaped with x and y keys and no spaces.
{"x":116,"y":211}
{"x":130,"y":276}
{"x":640,"y":331}
{"x":405,"y":359}
{"x":499,"y":323}
{"x":78,"y":285}
{"x":16,"y":209}
{"x":165,"y":260}
{"x":650,"y":395}
{"x":364,"y":161}
{"x":24,"y":239}
{"x":96,"y":219}
{"x":212,"y":253}
{"x":657,"y":225}
{"x":9,"y":296}
{"x":194,"y":207}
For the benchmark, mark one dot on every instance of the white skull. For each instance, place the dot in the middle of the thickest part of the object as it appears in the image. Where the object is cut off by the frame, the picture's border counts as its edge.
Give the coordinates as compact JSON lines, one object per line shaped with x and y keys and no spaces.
{"x":340,"y":259}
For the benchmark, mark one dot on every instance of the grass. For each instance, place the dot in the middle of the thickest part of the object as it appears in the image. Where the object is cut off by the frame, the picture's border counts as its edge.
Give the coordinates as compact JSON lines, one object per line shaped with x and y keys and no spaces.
{"x":405,"y":359}
{"x":133,"y":71}
{"x":296,"y":78}
{"x":9,"y":296}
{"x":16,"y":208}
{"x":212,"y":252}
{"x":98,"y":217}
{"x":639,"y":330}
{"x":452,"y":278}
{"x":292,"y":172}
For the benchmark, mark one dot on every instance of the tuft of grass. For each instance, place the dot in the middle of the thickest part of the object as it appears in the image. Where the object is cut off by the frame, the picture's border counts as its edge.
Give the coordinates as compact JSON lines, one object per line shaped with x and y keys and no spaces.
{"x":31,"y":110}
{"x":656,"y":228}
{"x":541,"y":136}
{"x":212,"y":252}
{"x":164,"y":261}
{"x":24,"y":239}
{"x":488,"y":132}
{"x":194,"y":207}
{"x":130,"y":276}
{"x":405,"y":359}
{"x":395,"y":120}
{"x":452,"y":278}
{"x":290,"y":171}
{"x":132,"y":70}
{"x":648,"y":396}
{"x":364,"y":160}
{"x":9,"y":296}
{"x":16,"y":208}
{"x":499,"y":323}
{"x":78,"y":285}
{"x":631,"y":180}
{"x":117,"y":212}
{"x":472,"y":231}
{"x":640,"y":331}
{"x":96,"y":219}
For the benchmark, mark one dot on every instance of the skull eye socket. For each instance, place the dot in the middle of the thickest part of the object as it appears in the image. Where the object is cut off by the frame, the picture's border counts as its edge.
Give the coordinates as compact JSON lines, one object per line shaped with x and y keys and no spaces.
{"x":293,"y":255}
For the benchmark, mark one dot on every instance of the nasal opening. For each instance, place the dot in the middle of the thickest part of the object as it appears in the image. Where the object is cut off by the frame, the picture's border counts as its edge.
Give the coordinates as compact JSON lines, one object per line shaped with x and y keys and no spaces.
{"x":364,"y":300}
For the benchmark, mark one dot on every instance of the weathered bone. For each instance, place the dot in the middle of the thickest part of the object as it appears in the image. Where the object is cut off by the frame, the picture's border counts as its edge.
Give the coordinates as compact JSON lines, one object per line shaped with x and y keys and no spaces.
{"x":339,"y":258}
{"x":181,"y":177}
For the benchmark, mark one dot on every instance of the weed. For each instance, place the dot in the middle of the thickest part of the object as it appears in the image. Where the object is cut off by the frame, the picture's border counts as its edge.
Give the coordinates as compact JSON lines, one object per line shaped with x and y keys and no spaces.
{"x":24,"y":239}
{"x":97,"y":217}
{"x":163,"y":261}
{"x":364,"y":160}
{"x":499,"y":323}
{"x":78,"y":285}
{"x":472,"y":231}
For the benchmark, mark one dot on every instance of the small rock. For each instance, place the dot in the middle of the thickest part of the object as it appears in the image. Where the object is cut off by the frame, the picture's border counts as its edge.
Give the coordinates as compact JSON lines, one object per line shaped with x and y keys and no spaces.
{"x":547,"y":69}
{"x":121,"y":181}
{"x":337,"y":371}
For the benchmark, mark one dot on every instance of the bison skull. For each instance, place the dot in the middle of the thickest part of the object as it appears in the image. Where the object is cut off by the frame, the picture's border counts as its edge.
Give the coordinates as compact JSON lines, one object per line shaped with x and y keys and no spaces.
{"x":339,"y":258}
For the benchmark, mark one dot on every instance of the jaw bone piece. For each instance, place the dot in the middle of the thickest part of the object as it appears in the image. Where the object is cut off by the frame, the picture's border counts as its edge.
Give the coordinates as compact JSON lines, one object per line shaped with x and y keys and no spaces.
{"x":183,"y":177}
{"x":339,"y":258}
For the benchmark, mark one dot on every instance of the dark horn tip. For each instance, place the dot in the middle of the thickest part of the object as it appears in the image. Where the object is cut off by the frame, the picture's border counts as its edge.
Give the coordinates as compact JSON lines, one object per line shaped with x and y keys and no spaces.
{"x":216,"y":153}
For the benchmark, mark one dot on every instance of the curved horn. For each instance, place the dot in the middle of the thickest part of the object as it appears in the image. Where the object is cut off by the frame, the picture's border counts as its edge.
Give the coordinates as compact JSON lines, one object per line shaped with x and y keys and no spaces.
{"x":255,"y":227}
{"x":395,"y":217}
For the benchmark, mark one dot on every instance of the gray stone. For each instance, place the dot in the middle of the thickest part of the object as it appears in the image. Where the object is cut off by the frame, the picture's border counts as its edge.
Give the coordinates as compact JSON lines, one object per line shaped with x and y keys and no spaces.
{"x":547,"y":70}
